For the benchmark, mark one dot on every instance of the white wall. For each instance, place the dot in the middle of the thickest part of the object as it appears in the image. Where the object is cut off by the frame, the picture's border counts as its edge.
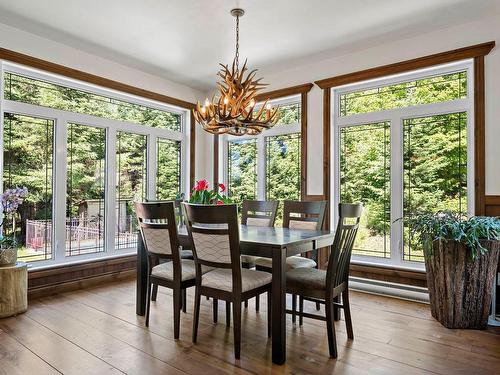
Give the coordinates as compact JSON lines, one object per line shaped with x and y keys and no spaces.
{"x":485,"y":30}
{"x":33,"y":45}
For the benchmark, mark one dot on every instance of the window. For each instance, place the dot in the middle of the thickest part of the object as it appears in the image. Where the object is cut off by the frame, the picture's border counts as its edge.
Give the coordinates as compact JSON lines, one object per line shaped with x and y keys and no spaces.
{"x":401,"y":147}
{"x":267,"y":166}
{"x":112,"y":149}
{"x":28,"y":161}
{"x":131,"y":185}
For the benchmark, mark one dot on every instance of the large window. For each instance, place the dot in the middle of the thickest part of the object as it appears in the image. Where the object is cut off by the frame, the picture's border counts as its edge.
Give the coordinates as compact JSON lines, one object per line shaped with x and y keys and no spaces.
{"x":402,"y":146}
{"x":267,"y":166}
{"x":112,"y":149}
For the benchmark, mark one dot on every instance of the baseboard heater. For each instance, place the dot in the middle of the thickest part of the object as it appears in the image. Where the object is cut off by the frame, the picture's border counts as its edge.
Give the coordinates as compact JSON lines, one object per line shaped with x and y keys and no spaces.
{"x":385,"y":288}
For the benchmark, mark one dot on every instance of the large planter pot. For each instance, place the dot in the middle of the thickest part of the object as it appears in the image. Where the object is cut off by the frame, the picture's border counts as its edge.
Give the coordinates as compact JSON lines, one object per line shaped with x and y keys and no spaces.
{"x":8,"y":256}
{"x":460,"y":287}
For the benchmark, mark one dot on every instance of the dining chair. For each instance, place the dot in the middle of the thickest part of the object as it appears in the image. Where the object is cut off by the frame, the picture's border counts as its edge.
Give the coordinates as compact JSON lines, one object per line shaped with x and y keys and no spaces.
{"x":325,"y":286}
{"x":214,"y":232}
{"x":158,"y":229}
{"x":257,"y":214}
{"x":298,"y":215}
{"x":185,"y":253}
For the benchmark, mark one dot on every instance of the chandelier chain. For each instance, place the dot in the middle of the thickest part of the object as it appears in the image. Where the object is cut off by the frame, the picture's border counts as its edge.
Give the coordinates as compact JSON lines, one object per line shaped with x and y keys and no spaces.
{"x":237,"y":41}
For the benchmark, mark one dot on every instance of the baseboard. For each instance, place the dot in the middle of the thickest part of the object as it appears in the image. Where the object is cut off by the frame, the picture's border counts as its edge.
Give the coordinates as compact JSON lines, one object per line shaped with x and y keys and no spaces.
{"x":385,"y":288}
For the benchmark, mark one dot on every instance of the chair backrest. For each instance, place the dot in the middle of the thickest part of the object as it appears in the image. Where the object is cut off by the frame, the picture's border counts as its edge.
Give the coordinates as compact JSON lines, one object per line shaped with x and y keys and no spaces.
{"x":215,"y":236}
{"x":345,"y":234}
{"x":159,"y":232}
{"x":179,"y":215}
{"x":259,"y":213}
{"x":304,"y":215}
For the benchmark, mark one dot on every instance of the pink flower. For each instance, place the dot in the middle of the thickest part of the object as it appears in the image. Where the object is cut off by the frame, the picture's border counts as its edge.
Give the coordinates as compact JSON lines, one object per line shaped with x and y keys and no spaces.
{"x":201,"y":185}
{"x":222,"y":187}
{"x":220,"y":203}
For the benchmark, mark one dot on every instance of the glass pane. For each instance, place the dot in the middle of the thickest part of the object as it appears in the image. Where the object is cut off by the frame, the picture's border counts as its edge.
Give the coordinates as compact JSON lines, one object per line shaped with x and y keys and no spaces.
{"x":289,"y":114}
{"x":242,"y":170}
{"x":28,"y":162}
{"x":168,"y":175}
{"x":283,"y":169}
{"x":33,"y":91}
{"x":365,"y":177}
{"x":422,"y":91}
{"x":131,"y":170}
{"x":85,"y":207}
{"x":435,"y":170}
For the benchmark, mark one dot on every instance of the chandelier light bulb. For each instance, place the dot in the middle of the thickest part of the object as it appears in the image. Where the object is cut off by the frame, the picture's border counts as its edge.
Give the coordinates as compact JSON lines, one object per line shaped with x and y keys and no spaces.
{"x":207,"y":102}
{"x":268,"y":106}
{"x":203,"y":110}
{"x":226,"y":100}
{"x":252,"y":103}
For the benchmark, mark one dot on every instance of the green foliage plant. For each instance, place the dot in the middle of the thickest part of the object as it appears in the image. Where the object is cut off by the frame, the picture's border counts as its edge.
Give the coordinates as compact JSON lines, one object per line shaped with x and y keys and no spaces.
{"x":453,"y":226}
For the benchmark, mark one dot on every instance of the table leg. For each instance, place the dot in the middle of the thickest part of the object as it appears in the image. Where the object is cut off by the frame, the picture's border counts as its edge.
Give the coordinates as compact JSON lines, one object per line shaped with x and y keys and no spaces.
{"x":142,"y":277}
{"x":279,"y":306}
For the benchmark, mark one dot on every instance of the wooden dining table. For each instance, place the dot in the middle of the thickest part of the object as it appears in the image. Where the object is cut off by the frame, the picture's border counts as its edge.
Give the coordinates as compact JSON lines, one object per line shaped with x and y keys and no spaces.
{"x":269,"y":242}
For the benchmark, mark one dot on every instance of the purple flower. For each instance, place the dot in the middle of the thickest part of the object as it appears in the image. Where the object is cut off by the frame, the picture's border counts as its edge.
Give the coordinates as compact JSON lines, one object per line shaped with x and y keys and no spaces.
{"x":12,"y":198}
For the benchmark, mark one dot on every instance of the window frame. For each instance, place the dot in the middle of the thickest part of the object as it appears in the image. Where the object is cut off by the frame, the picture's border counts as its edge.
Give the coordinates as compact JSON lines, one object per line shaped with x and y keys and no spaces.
{"x":396,"y":119}
{"x":261,"y":145}
{"x":61,"y":119}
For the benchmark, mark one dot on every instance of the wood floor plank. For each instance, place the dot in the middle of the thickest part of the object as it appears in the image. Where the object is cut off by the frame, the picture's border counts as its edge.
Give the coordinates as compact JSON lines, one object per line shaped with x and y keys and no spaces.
{"x":57,"y":351}
{"x":15,"y":359}
{"x":99,"y":325}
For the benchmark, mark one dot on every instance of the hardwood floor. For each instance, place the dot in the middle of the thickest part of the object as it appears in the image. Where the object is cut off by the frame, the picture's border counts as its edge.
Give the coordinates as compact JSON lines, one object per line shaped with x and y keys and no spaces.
{"x":96,"y":331}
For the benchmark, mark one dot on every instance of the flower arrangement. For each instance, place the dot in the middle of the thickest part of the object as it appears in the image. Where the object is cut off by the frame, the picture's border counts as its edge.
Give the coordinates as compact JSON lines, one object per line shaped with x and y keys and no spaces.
{"x":202,"y":194}
{"x":11,"y":200}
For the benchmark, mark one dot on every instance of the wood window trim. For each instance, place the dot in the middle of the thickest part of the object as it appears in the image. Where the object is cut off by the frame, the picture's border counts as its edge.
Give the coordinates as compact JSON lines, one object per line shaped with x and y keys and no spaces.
{"x":303,"y":90}
{"x":34,"y":62}
{"x":476,"y":52}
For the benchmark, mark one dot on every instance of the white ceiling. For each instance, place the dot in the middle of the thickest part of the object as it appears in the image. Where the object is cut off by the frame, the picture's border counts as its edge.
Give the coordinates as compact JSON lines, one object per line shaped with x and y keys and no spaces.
{"x":184,"y":40}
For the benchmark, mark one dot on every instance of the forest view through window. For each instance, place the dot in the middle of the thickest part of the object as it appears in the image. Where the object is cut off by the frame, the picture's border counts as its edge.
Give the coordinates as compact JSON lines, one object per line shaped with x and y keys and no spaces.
{"x":267,"y":166}
{"x":80,"y":195}
{"x":413,"y":162}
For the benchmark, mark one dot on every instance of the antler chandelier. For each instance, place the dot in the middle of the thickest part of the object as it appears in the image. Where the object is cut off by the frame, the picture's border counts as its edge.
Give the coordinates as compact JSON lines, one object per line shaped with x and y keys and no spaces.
{"x":233,"y":110}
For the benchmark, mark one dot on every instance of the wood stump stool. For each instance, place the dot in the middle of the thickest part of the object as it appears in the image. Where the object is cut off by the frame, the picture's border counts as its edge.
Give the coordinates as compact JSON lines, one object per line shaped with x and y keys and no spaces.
{"x":13,"y":290}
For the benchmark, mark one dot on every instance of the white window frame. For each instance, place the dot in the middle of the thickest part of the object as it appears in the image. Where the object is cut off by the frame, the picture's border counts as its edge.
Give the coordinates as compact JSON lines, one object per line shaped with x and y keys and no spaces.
{"x":61,"y":119}
{"x":261,"y":145}
{"x":395,"y":117}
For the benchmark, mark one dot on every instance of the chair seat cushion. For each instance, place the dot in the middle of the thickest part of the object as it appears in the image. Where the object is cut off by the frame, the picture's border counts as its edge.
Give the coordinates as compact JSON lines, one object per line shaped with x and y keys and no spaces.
{"x":291,"y":262}
{"x":306,"y":278}
{"x":222,"y":279}
{"x":166,"y":270}
{"x":249,"y":259}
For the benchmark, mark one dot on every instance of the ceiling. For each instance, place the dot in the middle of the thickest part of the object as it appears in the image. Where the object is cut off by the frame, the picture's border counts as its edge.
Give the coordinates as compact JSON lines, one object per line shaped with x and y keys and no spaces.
{"x":184,"y":40}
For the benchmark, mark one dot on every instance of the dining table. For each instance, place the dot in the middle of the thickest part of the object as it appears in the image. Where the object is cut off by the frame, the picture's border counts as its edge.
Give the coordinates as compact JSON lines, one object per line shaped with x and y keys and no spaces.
{"x":275,"y":243}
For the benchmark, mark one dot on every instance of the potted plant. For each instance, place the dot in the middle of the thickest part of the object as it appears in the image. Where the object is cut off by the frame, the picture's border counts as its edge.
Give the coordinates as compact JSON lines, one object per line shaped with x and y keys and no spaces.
{"x":461,"y":257}
{"x":11,"y":200}
{"x":201,"y":194}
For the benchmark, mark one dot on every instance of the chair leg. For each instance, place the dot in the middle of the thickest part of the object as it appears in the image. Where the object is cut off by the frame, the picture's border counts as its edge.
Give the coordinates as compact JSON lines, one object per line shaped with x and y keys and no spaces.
{"x":269,"y":313}
{"x":347,"y":314}
{"x":294,"y":307}
{"x":184,"y":300}
{"x":245,"y":303}
{"x":318,"y":306}
{"x":155,"y":292}
{"x":336,"y":309}
{"x":196,"y":314}
{"x":228,"y":313}
{"x":237,"y":328}
{"x":301,"y":310}
{"x":216,"y":310}
{"x":177,"y":312}
{"x":330,"y":327}
{"x":257,"y":302}
{"x":148,"y":303}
